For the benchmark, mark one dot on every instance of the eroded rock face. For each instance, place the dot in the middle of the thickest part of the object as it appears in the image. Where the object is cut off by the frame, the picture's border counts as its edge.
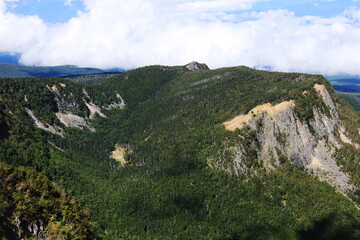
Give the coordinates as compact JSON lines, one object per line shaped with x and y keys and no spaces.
{"x":282,"y":135}
{"x":93,"y":108}
{"x":267,"y":109}
{"x":69,"y":112}
{"x":42,"y":125}
{"x":120,"y":104}
{"x":72,"y":120}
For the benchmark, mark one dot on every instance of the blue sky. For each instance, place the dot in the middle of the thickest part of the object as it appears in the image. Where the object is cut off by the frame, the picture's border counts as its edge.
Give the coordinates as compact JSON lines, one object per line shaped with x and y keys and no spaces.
{"x":306,"y":7}
{"x":52,"y":11}
{"x":59,"y":11}
{"x":320,"y":36}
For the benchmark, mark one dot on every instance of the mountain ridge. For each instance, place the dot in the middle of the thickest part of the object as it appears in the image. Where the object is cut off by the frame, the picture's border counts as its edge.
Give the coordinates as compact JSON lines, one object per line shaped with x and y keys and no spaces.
{"x":173,"y":179}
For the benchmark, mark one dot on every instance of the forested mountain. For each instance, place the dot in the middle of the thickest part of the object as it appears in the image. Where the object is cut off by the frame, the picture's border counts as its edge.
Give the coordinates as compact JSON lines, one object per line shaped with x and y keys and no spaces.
{"x":191,"y":153}
{"x":352,"y":99}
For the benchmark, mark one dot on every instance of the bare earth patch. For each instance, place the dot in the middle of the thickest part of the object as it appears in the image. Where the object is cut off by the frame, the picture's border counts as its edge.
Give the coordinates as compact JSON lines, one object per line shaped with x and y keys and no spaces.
{"x":119,"y":154}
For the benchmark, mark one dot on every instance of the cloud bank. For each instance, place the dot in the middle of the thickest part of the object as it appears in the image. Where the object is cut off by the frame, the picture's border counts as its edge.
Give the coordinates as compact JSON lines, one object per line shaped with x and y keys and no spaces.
{"x":129,"y":34}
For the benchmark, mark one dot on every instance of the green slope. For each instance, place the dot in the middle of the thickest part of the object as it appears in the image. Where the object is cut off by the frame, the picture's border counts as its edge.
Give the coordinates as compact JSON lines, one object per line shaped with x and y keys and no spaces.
{"x":352,"y":98}
{"x":34,"y":208}
{"x":171,"y":125}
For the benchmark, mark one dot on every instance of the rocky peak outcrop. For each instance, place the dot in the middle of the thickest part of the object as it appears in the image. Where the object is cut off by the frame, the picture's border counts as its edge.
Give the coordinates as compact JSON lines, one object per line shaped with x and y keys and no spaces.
{"x":195,"y":66}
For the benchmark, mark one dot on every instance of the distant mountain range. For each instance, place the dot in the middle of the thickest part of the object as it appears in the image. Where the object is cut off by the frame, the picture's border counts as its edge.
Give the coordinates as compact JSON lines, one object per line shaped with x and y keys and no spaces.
{"x":348,"y":88}
{"x":348,"y":84}
{"x":10,"y":67}
{"x":12,"y":70}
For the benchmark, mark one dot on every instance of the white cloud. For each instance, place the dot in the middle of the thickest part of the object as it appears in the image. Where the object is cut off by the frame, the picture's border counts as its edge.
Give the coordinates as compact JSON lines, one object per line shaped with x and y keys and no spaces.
{"x":19,"y":33}
{"x":216,"y":5}
{"x":135,"y":33}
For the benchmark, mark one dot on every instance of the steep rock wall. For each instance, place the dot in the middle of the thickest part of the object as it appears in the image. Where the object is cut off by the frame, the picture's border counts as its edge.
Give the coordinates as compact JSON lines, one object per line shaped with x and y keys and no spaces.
{"x":280,"y":135}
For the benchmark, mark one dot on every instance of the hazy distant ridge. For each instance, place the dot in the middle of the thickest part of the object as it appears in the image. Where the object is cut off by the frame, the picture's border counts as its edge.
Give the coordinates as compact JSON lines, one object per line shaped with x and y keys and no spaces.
{"x":18,"y":71}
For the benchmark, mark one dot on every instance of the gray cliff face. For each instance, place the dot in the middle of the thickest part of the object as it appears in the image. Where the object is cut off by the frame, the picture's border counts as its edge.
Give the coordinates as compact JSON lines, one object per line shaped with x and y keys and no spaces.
{"x":280,"y":136}
{"x":71,"y":113}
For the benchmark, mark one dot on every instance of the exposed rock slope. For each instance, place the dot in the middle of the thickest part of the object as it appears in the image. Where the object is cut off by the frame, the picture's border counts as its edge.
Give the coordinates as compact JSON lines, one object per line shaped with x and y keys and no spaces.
{"x":44,"y":126}
{"x":71,"y":113}
{"x":280,"y":134}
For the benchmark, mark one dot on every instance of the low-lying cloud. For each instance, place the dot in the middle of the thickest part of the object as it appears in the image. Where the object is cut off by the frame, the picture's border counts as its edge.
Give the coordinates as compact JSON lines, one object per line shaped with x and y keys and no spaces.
{"x":129,"y":34}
